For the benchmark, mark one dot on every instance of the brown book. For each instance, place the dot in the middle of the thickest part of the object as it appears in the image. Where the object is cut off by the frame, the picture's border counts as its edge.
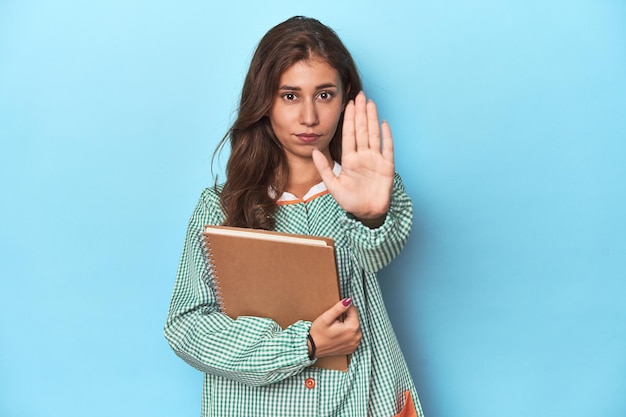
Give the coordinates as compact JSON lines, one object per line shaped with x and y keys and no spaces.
{"x":285,"y":277}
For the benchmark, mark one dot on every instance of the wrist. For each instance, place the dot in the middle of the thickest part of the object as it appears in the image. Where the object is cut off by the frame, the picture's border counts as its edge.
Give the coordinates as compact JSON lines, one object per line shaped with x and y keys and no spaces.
{"x":373,"y":223}
{"x":311,"y":346}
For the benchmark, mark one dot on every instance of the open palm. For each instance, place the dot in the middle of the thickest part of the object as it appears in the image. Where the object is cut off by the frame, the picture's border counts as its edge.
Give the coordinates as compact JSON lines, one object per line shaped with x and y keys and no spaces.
{"x":363,"y":188}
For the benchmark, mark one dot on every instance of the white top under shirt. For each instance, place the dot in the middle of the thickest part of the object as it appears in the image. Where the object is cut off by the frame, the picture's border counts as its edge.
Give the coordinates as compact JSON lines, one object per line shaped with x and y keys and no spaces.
{"x":316,"y":190}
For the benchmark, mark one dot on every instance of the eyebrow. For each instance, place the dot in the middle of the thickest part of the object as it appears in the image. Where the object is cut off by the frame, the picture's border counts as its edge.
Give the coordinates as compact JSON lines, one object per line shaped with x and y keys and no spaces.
{"x":319,"y":87}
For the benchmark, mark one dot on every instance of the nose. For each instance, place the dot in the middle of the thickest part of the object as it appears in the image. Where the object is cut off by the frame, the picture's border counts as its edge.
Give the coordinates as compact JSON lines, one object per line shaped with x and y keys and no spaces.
{"x":308,"y":113}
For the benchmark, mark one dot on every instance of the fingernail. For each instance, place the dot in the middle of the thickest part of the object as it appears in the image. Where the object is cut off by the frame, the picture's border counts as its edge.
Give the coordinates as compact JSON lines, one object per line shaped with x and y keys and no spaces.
{"x":346,"y":301}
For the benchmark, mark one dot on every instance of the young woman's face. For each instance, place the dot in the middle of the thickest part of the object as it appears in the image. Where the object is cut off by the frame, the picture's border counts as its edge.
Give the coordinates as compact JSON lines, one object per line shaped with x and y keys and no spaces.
{"x":307,"y":108}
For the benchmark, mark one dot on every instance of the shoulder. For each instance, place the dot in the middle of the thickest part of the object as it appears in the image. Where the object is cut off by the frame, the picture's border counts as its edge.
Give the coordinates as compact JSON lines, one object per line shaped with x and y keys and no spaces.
{"x":211,"y":195}
{"x":209,"y":207}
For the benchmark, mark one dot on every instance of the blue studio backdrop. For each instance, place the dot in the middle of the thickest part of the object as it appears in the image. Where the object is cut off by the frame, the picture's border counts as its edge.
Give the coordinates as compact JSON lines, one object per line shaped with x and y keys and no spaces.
{"x":509,"y":121}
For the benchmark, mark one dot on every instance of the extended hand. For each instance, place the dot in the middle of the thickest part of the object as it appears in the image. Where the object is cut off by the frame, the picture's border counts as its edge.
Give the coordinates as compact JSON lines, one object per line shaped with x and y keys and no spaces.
{"x":363,"y":188}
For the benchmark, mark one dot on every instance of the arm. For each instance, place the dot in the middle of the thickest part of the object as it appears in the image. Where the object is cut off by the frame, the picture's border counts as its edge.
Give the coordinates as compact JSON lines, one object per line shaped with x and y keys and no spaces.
{"x":251,"y":350}
{"x":376,"y":248}
{"x":378,"y":211}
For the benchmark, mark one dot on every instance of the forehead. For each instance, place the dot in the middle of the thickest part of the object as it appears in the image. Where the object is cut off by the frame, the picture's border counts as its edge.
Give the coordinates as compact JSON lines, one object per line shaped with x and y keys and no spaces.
{"x":310,"y":74}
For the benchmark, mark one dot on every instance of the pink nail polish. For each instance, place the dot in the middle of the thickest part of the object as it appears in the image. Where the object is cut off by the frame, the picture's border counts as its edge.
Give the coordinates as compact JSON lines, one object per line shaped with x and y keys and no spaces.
{"x":346,"y":301}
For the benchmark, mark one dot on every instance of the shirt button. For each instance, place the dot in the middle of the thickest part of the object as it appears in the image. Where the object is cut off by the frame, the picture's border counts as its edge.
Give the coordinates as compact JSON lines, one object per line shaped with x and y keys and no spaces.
{"x":309,"y":383}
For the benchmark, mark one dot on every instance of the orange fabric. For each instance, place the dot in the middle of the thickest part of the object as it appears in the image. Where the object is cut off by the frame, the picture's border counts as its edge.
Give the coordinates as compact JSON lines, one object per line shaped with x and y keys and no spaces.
{"x":299,"y":200}
{"x":409,"y":409}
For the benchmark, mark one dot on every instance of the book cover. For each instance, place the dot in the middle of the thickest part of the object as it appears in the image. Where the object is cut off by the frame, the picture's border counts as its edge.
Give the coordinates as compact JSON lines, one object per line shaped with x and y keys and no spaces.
{"x":285,"y":277}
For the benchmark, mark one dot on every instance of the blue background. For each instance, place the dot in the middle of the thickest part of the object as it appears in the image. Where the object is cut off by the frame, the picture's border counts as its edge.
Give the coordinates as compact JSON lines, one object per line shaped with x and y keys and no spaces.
{"x":510,"y":127}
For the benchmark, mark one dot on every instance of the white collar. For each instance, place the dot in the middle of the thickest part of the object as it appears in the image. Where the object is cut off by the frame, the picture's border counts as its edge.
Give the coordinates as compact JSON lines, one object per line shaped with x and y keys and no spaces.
{"x":317,"y":189}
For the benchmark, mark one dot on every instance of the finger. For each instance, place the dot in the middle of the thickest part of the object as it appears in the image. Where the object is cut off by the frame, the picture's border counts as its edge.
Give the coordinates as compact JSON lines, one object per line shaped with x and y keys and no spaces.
{"x":348,"y":144}
{"x":323,"y":167}
{"x":350,"y":314}
{"x":387,"y":142}
{"x":335,"y":312}
{"x":372,"y":126}
{"x":360,"y":122}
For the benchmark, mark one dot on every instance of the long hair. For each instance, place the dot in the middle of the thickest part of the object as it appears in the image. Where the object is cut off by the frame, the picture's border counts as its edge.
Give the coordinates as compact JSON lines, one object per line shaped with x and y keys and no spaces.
{"x":257,"y":162}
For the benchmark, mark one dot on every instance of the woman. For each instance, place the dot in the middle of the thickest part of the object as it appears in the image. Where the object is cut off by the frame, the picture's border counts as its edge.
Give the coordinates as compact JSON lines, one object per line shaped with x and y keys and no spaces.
{"x":308,"y":156}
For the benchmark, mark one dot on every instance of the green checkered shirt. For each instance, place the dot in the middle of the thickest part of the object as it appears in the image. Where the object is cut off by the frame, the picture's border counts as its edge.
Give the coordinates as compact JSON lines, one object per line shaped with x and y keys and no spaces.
{"x":253,"y":367}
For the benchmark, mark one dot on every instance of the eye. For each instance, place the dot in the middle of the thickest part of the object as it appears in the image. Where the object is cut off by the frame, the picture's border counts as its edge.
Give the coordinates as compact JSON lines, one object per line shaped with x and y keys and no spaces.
{"x":325,"y":95}
{"x":289,"y":96}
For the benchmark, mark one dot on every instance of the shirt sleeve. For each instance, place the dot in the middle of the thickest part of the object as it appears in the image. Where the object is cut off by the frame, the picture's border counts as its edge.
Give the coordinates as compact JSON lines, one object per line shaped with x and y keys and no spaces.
{"x":376,"y":248}
{"x":252,"y":350}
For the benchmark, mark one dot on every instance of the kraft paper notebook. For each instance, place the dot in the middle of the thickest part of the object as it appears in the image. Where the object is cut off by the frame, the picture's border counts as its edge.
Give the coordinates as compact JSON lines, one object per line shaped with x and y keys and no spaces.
{"x":285,"y":277}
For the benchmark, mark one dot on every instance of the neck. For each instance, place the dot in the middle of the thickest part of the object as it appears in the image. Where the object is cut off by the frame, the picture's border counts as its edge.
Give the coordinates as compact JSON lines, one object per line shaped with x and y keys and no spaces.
{"x":302,"y":179}
{"x":302,"y":176}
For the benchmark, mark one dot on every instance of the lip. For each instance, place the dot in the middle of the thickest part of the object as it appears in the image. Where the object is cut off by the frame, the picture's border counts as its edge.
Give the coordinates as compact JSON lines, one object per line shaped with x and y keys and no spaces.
{"x":308,"y":137}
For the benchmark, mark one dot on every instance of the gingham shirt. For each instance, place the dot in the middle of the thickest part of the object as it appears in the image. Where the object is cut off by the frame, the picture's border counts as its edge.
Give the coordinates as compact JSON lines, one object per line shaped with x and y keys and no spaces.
{"x":253,"y":367}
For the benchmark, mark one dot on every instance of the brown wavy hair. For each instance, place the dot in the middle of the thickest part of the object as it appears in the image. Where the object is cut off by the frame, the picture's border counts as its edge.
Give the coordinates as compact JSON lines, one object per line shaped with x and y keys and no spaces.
{"x":257,"y":160}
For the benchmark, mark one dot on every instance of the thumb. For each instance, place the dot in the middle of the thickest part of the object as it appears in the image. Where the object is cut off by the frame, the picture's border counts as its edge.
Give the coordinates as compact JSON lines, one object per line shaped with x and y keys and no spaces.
{"x":323,"y":167}
{"x":333,"y":313}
